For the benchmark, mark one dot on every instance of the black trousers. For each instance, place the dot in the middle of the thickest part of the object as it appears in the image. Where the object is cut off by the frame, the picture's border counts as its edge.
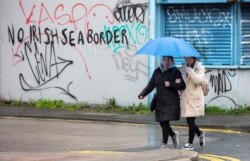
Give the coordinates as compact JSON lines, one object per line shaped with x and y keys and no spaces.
{"x":193,"y":129}
{"x":166,"y":131}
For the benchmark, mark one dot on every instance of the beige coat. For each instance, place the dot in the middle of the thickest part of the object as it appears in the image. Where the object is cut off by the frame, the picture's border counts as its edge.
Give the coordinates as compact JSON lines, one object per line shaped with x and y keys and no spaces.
{"x":192,"y":99}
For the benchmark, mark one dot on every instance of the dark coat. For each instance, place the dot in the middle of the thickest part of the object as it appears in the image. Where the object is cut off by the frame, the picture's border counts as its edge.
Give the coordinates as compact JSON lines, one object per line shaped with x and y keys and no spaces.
{"x":167,"y":98}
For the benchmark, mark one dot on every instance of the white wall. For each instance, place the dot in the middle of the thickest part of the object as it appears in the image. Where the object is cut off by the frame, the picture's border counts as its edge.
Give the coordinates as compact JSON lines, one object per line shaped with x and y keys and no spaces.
{"x":89,"y":72}
{"x":225,"y":87}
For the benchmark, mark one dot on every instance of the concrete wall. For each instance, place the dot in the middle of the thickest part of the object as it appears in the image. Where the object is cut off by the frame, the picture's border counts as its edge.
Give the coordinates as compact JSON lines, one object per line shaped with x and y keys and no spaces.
{"x":48,"y":51}
{"x":228,"y":87}
{"x":224,"y":87}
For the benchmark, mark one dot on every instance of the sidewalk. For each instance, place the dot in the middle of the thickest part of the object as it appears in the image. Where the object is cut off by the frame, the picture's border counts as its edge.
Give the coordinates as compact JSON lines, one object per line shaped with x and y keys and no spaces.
{"x":239,"y":123}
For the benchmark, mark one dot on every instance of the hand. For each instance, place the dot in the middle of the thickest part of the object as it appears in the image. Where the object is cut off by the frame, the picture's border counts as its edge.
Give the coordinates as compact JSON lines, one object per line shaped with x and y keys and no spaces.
{"x":177,"y":81}
{"x":188,"y":70}
{"x":140,"y":97}
{"x":167,"y":83}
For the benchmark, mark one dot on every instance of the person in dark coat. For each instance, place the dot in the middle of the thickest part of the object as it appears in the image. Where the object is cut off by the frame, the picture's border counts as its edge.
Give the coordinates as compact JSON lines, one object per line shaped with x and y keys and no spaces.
{"x":167,"y":80}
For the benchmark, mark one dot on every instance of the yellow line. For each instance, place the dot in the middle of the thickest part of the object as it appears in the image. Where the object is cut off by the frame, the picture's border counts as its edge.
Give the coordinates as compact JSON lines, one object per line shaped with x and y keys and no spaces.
{"x":209,"y":158}
{"x":221,"y":157}
{"x":134,"y":124}
{"x":216,"y":130}
{"x":223,"y":131}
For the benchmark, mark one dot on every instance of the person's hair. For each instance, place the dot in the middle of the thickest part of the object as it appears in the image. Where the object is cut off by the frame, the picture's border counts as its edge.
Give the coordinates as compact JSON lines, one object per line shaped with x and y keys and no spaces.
{"x":169,"y":57}
{"x":194,"y":58}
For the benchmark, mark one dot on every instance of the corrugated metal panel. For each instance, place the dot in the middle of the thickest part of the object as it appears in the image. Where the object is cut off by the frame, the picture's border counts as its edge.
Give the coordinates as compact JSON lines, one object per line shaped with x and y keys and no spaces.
{"x":206,"y":26}
{"x":189,"y":1}
{"x":245,"y":38}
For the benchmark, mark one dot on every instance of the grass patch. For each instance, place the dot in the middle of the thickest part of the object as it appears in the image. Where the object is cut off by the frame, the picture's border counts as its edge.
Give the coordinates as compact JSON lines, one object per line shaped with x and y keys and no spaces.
{"x":111,"y":107}
{"x":215,"y":110}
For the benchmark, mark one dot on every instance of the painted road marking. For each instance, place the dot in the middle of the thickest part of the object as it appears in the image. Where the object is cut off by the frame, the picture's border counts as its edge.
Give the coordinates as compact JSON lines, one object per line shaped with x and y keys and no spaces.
{"x":215,"y":130}
{"x":210,"y":157}
{"x":223,"y":131}
{"x":126,"y":123}
{"x":202,"y":157}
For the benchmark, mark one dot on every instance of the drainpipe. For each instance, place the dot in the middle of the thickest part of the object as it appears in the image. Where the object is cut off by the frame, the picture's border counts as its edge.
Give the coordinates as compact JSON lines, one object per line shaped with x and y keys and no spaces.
{"x":151,"y":59}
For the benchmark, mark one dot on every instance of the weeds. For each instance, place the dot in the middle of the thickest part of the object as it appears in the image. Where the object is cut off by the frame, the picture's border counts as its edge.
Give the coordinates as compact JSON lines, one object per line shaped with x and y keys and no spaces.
{"x":111,"y":106}
{"x":232,"y":111}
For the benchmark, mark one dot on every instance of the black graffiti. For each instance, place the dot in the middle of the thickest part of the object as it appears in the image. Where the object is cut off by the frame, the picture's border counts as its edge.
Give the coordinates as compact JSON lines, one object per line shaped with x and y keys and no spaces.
{"x":221,"y":82}
{"x":67,"y":91}
{"x":107,"y":37}
{"x":47,"y":36}
{"x":221,"y":97}
{"x":125,"y":11}
{"x":45,"y":67}
{"x":11,"y":35}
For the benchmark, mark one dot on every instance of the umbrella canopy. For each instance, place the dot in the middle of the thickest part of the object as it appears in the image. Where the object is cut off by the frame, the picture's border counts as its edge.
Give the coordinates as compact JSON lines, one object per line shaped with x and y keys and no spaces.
{"x":168,"y":46}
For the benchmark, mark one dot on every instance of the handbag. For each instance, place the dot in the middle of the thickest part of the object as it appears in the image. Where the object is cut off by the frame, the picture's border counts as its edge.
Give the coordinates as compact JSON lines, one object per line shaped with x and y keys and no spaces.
{"x":153,"y":102}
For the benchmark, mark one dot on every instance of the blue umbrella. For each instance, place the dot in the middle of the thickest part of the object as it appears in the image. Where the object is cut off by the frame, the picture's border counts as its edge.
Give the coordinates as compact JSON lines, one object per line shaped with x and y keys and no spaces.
{"x":168,"y":46}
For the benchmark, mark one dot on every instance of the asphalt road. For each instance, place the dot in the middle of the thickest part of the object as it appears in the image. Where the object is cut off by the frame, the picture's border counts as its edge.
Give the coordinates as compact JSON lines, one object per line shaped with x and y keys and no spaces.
{"x":54,"y":136}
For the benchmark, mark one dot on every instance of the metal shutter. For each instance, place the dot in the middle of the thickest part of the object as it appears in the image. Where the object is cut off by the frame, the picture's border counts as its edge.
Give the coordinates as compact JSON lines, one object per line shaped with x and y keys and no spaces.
{"x":245,"y":38}
{"x":206,"y":26}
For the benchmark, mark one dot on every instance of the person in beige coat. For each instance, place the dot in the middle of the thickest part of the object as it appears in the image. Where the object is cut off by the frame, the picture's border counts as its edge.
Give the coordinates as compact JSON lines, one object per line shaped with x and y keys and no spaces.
{"x":192,"y":99}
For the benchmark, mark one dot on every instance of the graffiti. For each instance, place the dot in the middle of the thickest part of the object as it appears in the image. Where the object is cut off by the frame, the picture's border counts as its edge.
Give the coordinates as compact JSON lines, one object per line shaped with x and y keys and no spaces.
{"x":40,"y":15}
{"x":125,"y":11}
{"x":48,"y":28}
{"x":200,"y":26}
{"x":67,"y":37}
{"x":36,"y":36}
{"x":245,"y":39}
{"x":205,"y":16}
{"x":107,"y":37}
{"x":59,"y":16}
{"x":137,"y":34}
{"x":200,"y":36}
{"x":131,"y":67}
{"x":221,"y":82}
{"x":45,"y":66}
{"x":227,"y":98}
{"x":202,"y":15}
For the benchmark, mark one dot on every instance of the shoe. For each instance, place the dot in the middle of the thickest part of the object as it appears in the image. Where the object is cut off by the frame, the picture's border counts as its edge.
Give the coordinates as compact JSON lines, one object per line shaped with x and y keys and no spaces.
{"x":164,"y":146}
{"x":188,"y":146}
{"x":202,"y":139}
{"x":175,"y":139}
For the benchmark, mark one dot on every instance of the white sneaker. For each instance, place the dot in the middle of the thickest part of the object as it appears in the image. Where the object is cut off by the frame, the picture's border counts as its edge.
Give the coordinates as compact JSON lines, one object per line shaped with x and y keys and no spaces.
{"x":188,"y":146}
{"x":202,"y":139}
{"x":164,"y":146}
{"x":175,"y":139}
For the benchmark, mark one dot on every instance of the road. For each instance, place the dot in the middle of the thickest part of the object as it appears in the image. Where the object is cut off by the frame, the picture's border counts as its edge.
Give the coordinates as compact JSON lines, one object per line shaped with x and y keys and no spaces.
{"x":28,"y":136}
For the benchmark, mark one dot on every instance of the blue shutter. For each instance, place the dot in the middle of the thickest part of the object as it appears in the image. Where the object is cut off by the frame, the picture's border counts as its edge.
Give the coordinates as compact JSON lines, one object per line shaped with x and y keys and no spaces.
{"x":189,"y":1}
{"x":206,"y":26}
{"x":245,"y":38}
